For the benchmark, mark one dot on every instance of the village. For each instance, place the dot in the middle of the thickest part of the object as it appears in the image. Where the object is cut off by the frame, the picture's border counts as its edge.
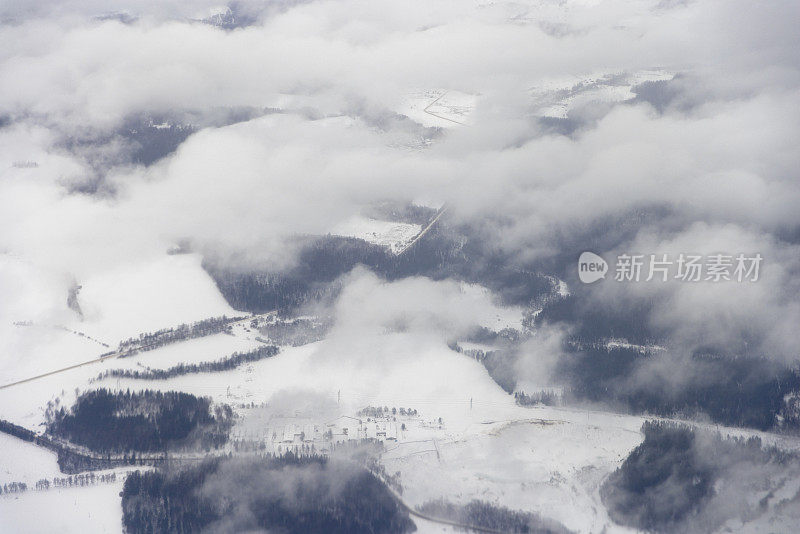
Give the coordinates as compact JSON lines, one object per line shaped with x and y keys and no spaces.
{"x":302,"y":433}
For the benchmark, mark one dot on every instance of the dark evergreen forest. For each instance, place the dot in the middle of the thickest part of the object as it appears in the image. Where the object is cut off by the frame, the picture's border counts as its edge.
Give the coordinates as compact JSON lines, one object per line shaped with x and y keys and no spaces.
{"x":489,"y":516}
{"x":118,"y":422}
{"x":286,"y":494}
{"x":668,"y":483}
{"x":746,"y":392}
{"x":445,"y":251}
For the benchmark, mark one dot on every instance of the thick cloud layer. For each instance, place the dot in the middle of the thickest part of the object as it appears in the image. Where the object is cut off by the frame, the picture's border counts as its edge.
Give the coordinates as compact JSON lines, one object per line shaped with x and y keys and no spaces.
{"x":704,"y":162}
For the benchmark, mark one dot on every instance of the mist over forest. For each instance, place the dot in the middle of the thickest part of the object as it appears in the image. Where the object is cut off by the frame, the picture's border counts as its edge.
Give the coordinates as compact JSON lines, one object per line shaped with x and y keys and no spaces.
{"x":339,"y":266}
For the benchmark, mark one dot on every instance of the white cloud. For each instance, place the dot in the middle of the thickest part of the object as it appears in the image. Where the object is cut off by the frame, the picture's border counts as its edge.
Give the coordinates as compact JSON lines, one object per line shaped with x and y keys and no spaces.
{"x":723,"y":154}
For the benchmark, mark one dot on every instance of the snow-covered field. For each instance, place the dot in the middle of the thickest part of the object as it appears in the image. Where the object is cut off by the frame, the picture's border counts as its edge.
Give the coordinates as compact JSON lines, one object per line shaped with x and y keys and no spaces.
{"x":24,"y":404}
{"x":160,"y":293}
{"x":116,"y":304}
{"x":21,"y":461}
{"x":488,"y":448}
{"x":94,"y":508}
{"x":45,"y":335}
{"x":206,"y":349}
{"x":43,"y":349}
{"x":439,"y":107}
{"x":393,"y":370}
{"x":558,"y":97}
{"x":552,"y":466}
{"x":80,"y":510}
{"x":429,"y":527}
{"x":392,"y":235}
{"x":545,"y":460}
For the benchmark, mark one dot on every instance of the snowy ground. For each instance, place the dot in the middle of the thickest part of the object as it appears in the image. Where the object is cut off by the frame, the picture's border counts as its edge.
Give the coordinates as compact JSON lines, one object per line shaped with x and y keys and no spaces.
{"x":45,"y":334}
{"x":558,"y":97}
{"x":206,"y":349}
{"x":429,"y":527}
{"x":80,"y":510}
{"x":439,"y":107}
{"x":21,"y":461}
{"x":160,"y":293}
{"x":337,"y":376}
{"x":24,"y":404}
{"x":546,"y":460}
{"x":553,"y":97}
{"x":392,"y":235}
{"x":44,"y":348}
{"x":93,"y":508}
{"x":393,"y":370}
{"x":552,"y":466}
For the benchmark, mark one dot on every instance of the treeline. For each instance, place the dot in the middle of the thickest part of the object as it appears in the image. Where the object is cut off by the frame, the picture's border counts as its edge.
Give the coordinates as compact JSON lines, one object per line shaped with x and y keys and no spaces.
{"x":501,"y":366}
{"x":223,"y":364}
{"x":500,"y":363}
{"x":349,"y":447}
{"x":545,"y":397}
{"x":684,"y":480}
{"x":153,"y":340}
{"x":385,"y":412}
{"x":360,"y":446}
{"x":118,"y":422}
{"x":13,"y":487}
{"x":488,"y":516}
{"x":300,"y":449}
{"x":69,"y":460}
{"x":506,"y":337}
{"x":79,"y":481}
{"x":88,"y":479}
{"x":7,"y":427}
{"x":295,"y":332}
{"x":286,"y":494}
